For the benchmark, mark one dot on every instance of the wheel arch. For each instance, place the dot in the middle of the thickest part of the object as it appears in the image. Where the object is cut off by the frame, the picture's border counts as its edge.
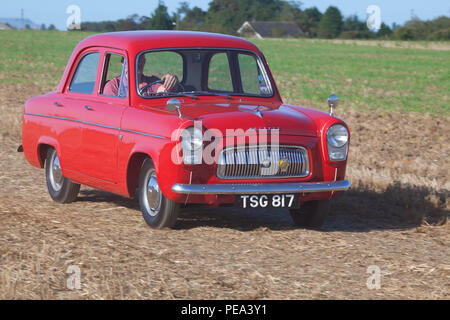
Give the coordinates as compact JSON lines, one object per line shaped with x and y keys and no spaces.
{"x":134,"y":167}
{"x":42,"y":147}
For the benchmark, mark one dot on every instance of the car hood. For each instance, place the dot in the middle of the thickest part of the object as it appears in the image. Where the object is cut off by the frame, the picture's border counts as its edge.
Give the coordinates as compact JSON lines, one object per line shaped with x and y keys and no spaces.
{"x":223,"y":116}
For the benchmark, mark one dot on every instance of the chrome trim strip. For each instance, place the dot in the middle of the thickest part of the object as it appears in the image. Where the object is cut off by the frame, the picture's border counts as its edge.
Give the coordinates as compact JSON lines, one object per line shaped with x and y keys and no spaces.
{"x":95,"y":124}
{"x":144,"y":134}
{"x":262,"y":188}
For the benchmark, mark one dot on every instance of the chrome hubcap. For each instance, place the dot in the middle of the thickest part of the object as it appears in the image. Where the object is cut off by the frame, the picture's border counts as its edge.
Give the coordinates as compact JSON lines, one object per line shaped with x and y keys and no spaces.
{"x":152,"y":194}
{"x":56,"y":177}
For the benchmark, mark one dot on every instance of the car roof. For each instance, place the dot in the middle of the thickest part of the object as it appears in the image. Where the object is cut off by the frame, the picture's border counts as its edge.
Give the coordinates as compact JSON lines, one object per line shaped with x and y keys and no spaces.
{"x":136,"y":41}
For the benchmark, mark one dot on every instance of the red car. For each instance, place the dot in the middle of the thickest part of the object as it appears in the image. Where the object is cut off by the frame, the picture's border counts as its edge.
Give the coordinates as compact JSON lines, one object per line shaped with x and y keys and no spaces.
{"x":177,"y":118}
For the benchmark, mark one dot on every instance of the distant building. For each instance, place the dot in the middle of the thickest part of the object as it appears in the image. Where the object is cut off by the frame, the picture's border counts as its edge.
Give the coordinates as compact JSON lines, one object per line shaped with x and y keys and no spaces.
{"x":4,"y":26}
{"x":269,"y":29}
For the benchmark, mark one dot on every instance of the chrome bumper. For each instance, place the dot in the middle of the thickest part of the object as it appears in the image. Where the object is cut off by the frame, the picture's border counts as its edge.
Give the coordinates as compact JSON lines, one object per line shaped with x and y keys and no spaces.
{"x":262,"y":188}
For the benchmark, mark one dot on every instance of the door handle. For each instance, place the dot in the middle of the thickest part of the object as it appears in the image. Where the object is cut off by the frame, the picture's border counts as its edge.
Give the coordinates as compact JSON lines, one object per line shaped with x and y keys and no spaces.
{"x":88,"y":108}
{"x":56,"y":103}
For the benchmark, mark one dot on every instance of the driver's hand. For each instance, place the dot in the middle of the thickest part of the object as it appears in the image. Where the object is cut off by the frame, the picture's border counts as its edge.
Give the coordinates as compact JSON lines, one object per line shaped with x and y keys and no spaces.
{"x":170,"y":82}
{"x":161,"y":89}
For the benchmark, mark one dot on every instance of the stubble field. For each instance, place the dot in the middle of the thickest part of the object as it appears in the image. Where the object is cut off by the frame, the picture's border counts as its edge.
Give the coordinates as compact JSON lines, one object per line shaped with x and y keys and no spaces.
{"x":395,"y":100}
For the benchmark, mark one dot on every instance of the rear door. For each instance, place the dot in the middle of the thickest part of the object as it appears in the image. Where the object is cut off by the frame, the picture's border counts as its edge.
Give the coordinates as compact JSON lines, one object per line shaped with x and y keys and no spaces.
{"x":79,"y":92}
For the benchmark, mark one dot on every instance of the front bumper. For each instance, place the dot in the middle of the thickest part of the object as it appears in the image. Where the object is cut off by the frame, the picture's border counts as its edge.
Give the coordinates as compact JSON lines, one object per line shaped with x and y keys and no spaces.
{"x":262,"y":188}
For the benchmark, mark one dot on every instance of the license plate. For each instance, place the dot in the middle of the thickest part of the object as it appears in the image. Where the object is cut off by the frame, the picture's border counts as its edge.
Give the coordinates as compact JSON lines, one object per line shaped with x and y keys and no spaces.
{"x":268,"y":201}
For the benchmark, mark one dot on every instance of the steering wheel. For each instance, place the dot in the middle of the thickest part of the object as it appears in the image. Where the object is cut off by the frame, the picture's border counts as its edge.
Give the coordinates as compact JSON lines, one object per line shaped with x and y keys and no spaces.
{"x":144,"y":88}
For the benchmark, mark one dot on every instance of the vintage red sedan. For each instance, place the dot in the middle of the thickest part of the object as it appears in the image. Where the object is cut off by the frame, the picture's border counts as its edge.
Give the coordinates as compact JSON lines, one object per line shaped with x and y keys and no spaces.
{"x":176,"y":118}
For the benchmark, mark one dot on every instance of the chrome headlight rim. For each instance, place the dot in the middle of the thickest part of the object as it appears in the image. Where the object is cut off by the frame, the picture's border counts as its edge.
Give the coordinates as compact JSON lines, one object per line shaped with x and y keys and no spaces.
{"x":337,"y":136}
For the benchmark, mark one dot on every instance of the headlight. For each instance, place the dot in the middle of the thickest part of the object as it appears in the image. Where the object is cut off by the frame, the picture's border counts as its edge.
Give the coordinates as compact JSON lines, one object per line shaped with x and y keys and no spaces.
{"x":337,"y":138}
{"x":337,"y":135}
{"x":192,"y":145}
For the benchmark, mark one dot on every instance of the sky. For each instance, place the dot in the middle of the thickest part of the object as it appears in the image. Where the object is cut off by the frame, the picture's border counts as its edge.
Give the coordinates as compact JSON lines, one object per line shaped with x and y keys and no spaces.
{"x":54,"y":11}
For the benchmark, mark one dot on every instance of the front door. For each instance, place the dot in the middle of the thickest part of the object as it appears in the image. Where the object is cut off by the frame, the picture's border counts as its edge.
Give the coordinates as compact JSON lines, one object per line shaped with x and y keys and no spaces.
{"x":102,"y":118}
{"x":100,"y":113}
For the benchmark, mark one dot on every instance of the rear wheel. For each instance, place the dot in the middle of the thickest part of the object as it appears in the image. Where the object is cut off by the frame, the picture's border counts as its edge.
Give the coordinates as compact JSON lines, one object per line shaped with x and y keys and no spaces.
{"x":60,"y":188}
{"x":158,"y":211}
{"x":312,"y":214}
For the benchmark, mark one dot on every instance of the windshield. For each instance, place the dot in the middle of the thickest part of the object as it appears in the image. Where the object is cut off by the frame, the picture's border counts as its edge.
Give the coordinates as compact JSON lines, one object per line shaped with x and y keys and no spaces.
{"x":195,"y":72}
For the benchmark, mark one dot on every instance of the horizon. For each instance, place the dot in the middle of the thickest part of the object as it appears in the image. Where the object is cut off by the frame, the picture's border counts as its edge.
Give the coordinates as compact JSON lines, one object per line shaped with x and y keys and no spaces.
{"x":54,"y":12}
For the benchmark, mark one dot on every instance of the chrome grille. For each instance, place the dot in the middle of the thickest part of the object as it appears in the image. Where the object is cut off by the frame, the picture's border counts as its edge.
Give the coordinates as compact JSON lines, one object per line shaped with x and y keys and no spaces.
{"x":260,"y":162}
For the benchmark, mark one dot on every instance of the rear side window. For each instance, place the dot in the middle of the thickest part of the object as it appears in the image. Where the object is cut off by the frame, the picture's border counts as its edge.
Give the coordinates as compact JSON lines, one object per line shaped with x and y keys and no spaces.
{"x":219,"y":75}
{"x":84,"y":78}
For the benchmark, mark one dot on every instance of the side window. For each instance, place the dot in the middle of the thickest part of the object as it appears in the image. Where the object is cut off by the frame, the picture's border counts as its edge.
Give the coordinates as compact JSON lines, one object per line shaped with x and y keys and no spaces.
{"x":115,"y":76}
{"x":219,"y":74}
{"x":253,"y":81}
{"x":84,"y":79}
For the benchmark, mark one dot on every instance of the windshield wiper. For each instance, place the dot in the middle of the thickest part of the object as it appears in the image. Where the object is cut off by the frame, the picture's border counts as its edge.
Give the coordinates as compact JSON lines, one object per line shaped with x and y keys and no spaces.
{"x":213,"y":94}
{"x":184,"y":94}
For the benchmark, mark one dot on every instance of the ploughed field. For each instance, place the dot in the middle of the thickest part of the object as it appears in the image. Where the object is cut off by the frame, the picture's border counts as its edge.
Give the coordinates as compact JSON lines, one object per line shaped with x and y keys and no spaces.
{"x":395,"y":99}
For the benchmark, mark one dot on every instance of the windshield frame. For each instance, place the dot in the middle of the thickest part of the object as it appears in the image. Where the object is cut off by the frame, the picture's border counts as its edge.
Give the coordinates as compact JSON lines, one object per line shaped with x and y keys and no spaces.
{"x":264,"y":71}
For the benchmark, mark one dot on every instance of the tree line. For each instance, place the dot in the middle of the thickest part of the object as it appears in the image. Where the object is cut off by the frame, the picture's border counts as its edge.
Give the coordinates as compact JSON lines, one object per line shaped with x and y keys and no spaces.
{"x":226,"y":16}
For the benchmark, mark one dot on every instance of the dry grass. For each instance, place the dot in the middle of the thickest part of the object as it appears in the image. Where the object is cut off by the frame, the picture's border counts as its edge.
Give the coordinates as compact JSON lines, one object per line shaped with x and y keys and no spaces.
{"x":394,"y":217}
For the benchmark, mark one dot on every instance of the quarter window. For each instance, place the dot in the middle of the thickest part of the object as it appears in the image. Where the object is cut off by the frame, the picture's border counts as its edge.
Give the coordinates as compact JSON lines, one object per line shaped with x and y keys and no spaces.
{"x":84,"y":79}
{"x":115,"y":78}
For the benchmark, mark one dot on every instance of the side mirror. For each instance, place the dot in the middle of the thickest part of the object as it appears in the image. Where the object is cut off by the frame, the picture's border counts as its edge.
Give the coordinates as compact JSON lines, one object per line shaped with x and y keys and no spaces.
{"x":333,"y":102}
{"x":174,"y":104}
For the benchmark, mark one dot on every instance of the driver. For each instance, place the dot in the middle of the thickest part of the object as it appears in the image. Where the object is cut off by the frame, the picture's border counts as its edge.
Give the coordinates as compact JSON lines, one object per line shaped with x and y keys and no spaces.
{"x":168,"y":83}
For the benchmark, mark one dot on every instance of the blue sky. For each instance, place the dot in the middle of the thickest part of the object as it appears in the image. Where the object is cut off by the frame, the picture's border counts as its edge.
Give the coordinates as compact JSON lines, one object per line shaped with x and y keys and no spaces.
{"x":47,"y":11}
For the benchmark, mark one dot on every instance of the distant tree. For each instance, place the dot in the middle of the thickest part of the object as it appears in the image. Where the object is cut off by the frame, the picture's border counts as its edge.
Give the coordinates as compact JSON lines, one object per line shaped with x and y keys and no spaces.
{"x":160,"y":19}
{"x":416,"y":29}
{"x":228,"y":15}
{"x":403,"y":33}
{"x":110,"y":26}
{"x":51,"y":27}
{"x":143,"y":22}
{"x":289,"y":12}
{"x":130,"y":23}
{"x":384,"y":32}
{"x":353,"y":28}
{"x":43,"y":27}
{"x":27,"y":26}
{"x":308,"y":20}
{"x":394,"y":26}
{"x":190,"y":19}
{"x":330,"y":25}
{"x":440,"y":29}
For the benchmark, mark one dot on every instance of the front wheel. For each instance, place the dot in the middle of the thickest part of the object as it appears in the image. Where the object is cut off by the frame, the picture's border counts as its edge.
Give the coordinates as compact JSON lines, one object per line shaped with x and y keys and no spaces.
{"x":312,"y":214}
{"x":158,"y":211}
{"x":60,"y":188}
